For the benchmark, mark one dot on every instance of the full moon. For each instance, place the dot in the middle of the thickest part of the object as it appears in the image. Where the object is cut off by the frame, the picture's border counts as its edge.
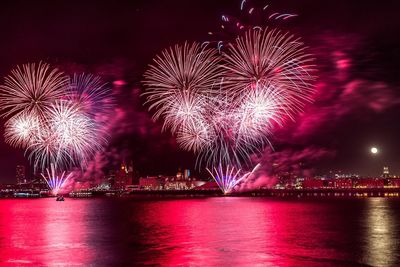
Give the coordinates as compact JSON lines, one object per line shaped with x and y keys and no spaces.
{"x":374,"y":150}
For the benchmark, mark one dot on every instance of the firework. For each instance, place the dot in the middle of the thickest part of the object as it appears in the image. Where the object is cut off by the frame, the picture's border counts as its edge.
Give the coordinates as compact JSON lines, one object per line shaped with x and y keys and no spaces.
{"x":44,"y":150}
{"x":267,"y":79}
{"x":179,"y":79}
{"x":227,"y":178}
{"x":250,"y":17}
{"x":69,"y":137}
{"x":265,"y":58}
{"x":227,"y":132}
{"x":73,"y":128}
{"x":90,"y":95}
{"x":229,"y":110}
{"x":54,"y":181}
{"x":57,"y":120}
{"x":259,"y":112}
{"x":32,"y":89}
{"x":195,"y":136}
{"x":20,"y":130}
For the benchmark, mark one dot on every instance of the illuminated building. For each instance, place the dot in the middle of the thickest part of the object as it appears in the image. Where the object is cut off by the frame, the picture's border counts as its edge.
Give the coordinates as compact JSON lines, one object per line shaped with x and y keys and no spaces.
{"x":207,"y":186}
{"x":168,"y":183}
{"x":121,"y":177}
{"x":385,"y":172}
{"x":20,"y":174}
{"x":343,"y":183}
{"x":111,"y":178}
{"x":132,"y":178}
{"x":186,"y":174}
{"x":173,"y":184}
{"x":346,"y":175}
{"x":151,"y":183}
{"x":312,"y":183}
{"x":392,"y":183}
{"x":179,"y":174}
{"x":368,"y":183}
{"x":176,"y":185}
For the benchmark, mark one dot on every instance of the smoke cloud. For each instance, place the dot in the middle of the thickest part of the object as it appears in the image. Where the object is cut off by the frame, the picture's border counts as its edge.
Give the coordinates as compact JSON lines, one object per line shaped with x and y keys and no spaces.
{"x":342,"y":94}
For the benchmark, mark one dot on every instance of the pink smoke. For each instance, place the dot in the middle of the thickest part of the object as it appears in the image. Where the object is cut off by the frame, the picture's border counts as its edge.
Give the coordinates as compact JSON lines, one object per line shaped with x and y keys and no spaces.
{"x":340,"y":95}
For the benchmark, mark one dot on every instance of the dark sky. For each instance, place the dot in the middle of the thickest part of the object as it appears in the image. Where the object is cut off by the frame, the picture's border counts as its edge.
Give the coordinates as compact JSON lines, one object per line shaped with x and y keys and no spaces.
{"x":127,"y":34}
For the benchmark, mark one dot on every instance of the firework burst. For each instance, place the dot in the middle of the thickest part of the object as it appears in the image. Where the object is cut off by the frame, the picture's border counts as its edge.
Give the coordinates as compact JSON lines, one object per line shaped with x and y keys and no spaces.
{"x":259,"y":112}
{"x":31,"y":88}
{"x":69,"y":137}
{"x":225,"y":116}
{"x":20,"y":130}
{"x":57,"y":120}
{"x":179,"y":79}
{"x":265,"y":58}
{"x":90,"y":95}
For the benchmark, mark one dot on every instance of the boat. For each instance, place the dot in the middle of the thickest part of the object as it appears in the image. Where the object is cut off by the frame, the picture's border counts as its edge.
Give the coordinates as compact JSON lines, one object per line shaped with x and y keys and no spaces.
{"x":60,"y":198}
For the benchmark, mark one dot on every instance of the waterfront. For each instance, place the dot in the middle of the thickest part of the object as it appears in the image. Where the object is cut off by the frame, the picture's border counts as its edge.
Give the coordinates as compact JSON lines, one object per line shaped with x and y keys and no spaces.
{"x":200,"y":232}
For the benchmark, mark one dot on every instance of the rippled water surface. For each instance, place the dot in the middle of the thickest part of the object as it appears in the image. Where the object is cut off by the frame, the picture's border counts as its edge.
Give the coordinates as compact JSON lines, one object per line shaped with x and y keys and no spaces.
{"x":200,"y":232}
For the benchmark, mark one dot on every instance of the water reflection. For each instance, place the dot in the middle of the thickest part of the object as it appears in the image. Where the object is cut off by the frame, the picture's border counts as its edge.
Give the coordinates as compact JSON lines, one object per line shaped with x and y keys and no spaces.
{"x":200,"y":232}
{"x":381,"y":248}
{"x":41,"y":232}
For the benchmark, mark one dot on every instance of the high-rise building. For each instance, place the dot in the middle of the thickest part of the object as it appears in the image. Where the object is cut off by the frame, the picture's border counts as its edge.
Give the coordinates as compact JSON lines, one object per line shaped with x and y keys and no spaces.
{"x":186,"y":174}
{"x":131,"y":175}
{"x":385,"y":172}
{"x":123,"y":176}
{"x":20,"y":174}
{"x":179,"y":174}
{"x":110,"y":178}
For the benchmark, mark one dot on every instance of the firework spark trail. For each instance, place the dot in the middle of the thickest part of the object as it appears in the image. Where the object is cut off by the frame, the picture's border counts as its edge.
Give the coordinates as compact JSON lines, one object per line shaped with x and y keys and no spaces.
{"x":31,"y":88}
{"x":228,"y":177}
{"x":251,"y":17}
{"x":54,"y":181}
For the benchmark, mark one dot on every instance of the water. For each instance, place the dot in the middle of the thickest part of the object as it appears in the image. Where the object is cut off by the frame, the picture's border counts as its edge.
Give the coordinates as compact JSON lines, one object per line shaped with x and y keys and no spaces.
{"x":200,"y":232}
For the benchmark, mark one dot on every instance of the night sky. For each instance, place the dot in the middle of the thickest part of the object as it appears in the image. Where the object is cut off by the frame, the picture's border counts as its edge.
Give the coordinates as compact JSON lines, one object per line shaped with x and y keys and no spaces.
{"x":356,"y":45}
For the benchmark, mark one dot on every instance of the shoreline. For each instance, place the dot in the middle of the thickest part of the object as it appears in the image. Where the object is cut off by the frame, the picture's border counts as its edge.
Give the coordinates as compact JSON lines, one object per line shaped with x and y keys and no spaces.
{"x":270,"y":193}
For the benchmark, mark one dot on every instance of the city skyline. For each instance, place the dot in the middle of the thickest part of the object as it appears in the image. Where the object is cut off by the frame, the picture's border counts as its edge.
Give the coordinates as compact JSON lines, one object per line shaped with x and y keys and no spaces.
{"x":350,"y":70}
{"x":207,"y":133}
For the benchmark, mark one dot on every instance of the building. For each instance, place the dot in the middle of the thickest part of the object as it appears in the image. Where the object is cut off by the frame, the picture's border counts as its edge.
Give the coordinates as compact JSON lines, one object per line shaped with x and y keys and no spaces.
{"x":385,"y":173}
{"x":133,"y":179}
{"x":121,"y":177}
{"x":392,"y":182}
{"x":110,"y":178}
{"x":179,"y":175}
{"x":151,"y":183}
{"x":20,"y":174}
{"x":207,"y":186}
{"x":312,"y":183}
{"x":186,"y":174}
{"x":368,"y":183}
{"x":343,"y":183}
